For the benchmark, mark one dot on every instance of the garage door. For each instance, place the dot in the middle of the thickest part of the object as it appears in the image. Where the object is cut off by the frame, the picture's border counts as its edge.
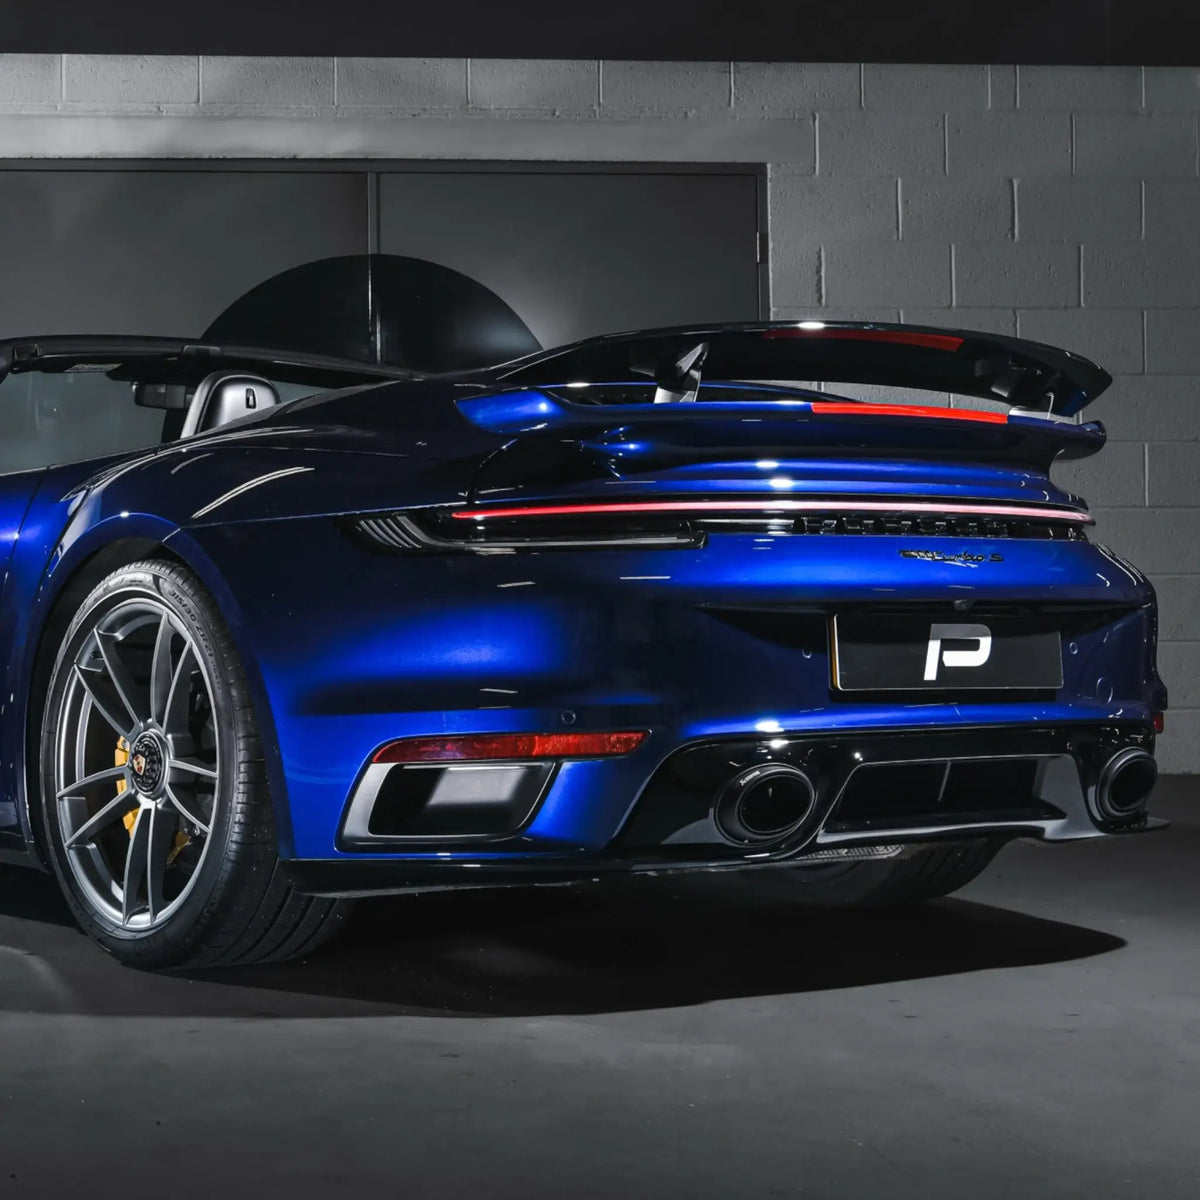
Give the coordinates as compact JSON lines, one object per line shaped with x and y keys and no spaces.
{"x":573,"y":252}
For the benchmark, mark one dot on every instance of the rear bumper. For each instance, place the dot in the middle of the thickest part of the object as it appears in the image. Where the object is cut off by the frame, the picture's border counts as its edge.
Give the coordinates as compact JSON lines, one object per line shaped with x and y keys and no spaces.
{"x":1045,"y":782}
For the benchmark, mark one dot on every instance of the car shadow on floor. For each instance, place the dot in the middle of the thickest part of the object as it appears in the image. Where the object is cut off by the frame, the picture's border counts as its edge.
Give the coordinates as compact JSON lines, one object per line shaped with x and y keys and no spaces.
{"x":621,"y":945}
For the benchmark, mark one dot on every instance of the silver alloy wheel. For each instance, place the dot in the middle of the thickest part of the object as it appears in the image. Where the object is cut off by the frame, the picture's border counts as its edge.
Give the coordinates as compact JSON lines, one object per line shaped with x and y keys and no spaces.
{"x":136,"y":764}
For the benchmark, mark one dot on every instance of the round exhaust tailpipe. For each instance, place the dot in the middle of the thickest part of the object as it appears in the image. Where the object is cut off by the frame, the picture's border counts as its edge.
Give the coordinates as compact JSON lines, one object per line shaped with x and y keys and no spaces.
{"x":1125,"y":783}
{"x":765,"y":804}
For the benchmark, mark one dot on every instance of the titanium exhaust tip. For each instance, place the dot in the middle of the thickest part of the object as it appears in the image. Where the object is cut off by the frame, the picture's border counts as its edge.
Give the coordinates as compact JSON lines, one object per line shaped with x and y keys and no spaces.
{"x":764,"y":804}
{"x":1125,"y":784}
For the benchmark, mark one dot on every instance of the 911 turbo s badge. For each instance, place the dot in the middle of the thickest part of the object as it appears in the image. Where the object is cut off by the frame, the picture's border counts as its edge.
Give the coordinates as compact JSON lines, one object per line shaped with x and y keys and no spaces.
{"x":965,"y":559}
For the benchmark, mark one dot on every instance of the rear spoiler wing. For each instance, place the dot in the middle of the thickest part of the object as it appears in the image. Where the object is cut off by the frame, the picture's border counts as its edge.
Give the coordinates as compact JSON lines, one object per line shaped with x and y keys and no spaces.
{"x":1025,"y":375}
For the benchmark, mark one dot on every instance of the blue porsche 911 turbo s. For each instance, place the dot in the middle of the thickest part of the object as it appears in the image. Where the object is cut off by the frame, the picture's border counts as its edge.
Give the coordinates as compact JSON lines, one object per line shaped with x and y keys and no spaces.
{"x":281,"y":630}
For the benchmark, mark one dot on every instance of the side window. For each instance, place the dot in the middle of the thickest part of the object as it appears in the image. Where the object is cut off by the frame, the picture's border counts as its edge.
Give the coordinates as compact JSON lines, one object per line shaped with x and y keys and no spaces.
{"x":59,"y":417}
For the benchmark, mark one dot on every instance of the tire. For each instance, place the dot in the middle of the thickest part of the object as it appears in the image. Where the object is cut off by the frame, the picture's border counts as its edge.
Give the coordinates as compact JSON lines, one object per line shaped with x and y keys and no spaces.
{"x":926,"y":873}
{"x":155,"y":812}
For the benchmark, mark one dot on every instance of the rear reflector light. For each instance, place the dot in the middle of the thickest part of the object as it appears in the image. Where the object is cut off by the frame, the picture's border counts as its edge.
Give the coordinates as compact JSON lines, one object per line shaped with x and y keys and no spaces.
{"x":854,"y":408}
{"x":476,"y":747}
{"x":899,"y":337}
{"x":1159,"y":722}
{"x":701,"y":507}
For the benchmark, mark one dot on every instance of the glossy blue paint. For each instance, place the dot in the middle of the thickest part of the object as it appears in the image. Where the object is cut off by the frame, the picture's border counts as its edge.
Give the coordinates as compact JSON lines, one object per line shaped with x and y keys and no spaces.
{"x":795,"y":476}
{"x":16,"y":492}
{"x":348,"y":648}
{"x":619,"y":639}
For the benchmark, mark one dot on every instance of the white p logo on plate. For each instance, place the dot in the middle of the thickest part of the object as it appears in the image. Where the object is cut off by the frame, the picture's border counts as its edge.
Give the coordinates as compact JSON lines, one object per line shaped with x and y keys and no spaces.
{"x":979,"y":634}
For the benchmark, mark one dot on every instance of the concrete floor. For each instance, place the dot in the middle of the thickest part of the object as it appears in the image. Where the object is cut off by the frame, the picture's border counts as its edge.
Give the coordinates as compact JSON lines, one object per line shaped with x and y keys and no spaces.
{"x":1038,"y":1037}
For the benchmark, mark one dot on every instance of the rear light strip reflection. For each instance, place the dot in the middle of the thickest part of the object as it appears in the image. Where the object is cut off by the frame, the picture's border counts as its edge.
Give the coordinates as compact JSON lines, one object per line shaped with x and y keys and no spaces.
{"x":482,"y":747}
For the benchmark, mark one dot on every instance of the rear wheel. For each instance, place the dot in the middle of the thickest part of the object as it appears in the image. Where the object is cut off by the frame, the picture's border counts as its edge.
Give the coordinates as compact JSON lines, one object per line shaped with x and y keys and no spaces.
{"x":155,"y":811}
{"x":924,"y":873}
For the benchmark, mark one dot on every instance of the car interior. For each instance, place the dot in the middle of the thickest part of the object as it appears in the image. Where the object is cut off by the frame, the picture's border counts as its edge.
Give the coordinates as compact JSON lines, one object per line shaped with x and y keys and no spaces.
{"x":91,"y":410}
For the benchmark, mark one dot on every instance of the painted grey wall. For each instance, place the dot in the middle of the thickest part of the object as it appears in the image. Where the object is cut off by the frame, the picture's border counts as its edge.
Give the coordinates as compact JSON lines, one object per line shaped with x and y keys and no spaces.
{"x":1061,"y":203}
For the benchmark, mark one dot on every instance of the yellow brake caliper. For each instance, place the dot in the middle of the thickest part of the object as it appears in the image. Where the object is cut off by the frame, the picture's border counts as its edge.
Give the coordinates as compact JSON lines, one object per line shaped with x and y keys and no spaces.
{"x":120,"y":758}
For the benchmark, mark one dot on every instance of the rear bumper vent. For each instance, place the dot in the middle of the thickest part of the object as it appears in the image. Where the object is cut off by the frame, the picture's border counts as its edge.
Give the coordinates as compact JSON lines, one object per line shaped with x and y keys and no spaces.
{"x":470,"y":786}
{"x":929,"y":794}
{"x":442,"y":801}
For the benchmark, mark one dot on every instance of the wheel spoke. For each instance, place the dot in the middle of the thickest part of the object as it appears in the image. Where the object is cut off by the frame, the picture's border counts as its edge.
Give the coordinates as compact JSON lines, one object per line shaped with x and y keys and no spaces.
{"x":89,"y":780}
{"x":98,"y":701}
{"x":126,"y":689}
{"x":105,"y":817}
{"x":159,"y":841}
{"x":175,"y":711}
{"x":191,"y":767}
{"x":189,"y":808}
{"x":160,"y":670}
{"x":135,"y":864}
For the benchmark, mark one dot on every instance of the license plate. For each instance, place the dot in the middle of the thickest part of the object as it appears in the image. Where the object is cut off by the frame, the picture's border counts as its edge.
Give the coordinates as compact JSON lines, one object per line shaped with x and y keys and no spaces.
{"x":889,"y":653}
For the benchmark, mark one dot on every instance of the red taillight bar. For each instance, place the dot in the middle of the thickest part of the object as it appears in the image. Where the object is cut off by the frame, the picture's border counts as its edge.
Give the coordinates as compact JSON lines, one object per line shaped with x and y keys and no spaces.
{"x":853,"y":408}
{"x":767,"y":507}
{"x":900,"y":337}
{"x":473,"y":747}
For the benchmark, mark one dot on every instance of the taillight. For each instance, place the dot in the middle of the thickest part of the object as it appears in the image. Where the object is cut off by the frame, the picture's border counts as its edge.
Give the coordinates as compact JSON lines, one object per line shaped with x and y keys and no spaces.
{"x":677,"y":523}
{"x":484,"y":747}
{"x":568,"y":528}
{"x":1159,"y":720}
{"x":858,"y":408}
{"x":777,"y":506}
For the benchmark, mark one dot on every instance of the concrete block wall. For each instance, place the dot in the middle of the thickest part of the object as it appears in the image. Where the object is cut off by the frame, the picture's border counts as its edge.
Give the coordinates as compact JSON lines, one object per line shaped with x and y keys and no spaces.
{"x":1059,"y":203}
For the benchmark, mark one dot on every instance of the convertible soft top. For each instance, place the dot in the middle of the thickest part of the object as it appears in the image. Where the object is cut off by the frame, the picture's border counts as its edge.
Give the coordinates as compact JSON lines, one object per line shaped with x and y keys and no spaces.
{"x":1023,"y":374}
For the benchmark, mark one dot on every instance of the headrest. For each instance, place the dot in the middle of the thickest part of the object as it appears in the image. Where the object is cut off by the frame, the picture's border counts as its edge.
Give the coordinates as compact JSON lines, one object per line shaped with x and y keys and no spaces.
{"x":225,"y":396}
